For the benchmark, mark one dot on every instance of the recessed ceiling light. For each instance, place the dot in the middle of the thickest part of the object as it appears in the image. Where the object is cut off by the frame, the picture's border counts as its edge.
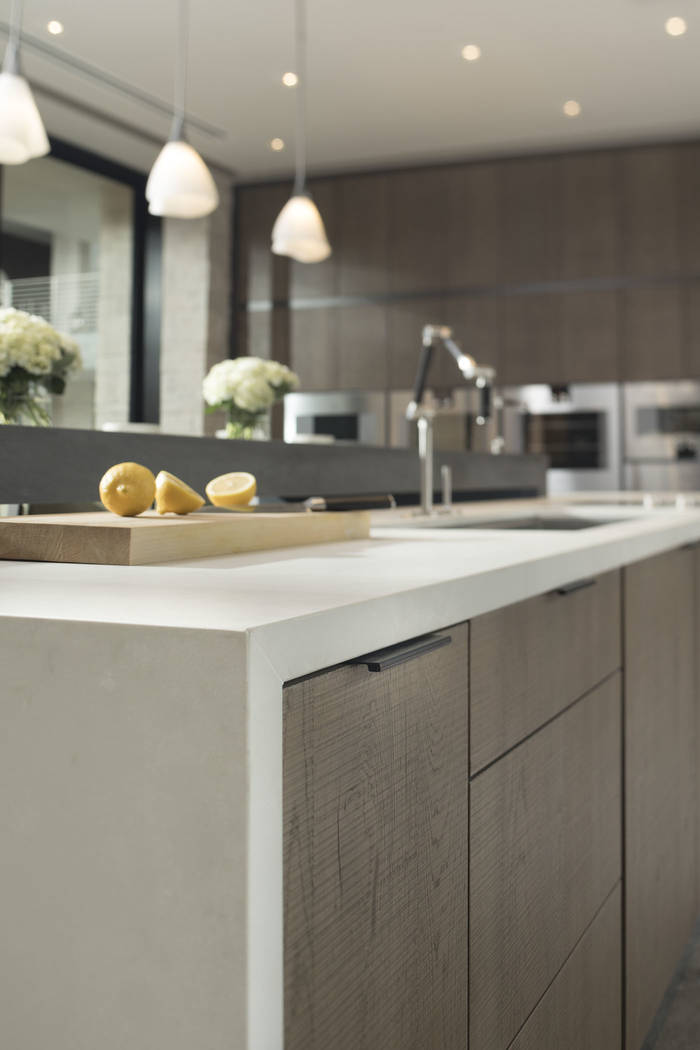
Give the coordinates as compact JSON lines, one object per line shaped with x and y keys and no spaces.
{"x":55,"y":27}
{"x":470,"y":52}
{"x":290,"y":79}
{"x":676,"y":26}
{"x":572,"y":108}
{"x":276,"y":144}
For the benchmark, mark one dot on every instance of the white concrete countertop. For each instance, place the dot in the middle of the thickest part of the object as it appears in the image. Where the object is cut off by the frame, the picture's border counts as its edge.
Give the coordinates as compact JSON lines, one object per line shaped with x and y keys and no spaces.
{"x":159,"y":690}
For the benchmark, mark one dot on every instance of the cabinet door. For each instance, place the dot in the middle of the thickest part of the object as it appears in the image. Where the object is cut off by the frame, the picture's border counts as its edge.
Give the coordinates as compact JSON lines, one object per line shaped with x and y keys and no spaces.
{"x":650,"y":219}
{"x":590,"y":230}
{"x":533,"y":339}
{"x":363,"y":235}
{"x":590,"y":337}
{"x":418,"y":222}
{"x":660,"y":779}
{"x":652,"y":333}
{"x":545,"y":845}
{"x":475,"y":223}
{"x":532,"y":220}
{"x":375,"y":826}
{"x":361,"y":346}
{"x":583,"y":1008}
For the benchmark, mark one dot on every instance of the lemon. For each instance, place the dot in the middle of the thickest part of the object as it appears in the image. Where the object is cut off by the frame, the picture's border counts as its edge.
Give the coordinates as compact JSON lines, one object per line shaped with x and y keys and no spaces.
{"x":232,"y":490}
{"x":127,"y":489}
{"x":174,"y":496}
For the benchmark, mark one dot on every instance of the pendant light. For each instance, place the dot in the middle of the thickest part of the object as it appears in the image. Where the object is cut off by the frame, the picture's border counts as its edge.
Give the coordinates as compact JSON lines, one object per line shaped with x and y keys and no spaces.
{"x":299,"y":231}
{"x":22,"y":132}
{"x":180,"y":185}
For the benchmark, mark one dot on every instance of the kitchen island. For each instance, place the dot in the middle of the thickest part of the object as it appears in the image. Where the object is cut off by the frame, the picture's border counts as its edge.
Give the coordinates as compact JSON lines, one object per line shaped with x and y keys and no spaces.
{"x":171,"y":798}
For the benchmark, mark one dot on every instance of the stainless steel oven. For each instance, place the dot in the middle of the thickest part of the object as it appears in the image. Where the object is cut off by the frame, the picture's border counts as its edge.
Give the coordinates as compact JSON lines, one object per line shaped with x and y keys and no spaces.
{"x":662,"y":436}
{"x":347,"y":415}
{"x":577,"y":426}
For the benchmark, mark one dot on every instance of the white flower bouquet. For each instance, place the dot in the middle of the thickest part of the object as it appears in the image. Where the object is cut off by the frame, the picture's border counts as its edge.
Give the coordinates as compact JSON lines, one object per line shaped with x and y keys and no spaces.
{"x":35,"y":360}
{"x":245,"y":388}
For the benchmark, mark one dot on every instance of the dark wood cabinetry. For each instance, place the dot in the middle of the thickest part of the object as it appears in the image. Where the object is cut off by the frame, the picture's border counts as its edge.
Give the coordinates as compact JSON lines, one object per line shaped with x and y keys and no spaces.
{"x":580,"y":267}
{"x":376,"y":829}
{"x":661,"y":812}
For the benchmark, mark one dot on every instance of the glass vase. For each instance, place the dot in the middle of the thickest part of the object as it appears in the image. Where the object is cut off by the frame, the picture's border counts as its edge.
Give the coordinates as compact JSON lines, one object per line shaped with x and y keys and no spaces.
{"x":247,"y":426}
{"x":30,"y":408}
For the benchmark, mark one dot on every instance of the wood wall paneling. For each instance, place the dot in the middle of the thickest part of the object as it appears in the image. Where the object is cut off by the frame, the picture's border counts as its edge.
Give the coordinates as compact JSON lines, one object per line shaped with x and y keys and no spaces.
{"x":661,"y":806}
{"x":583,"y":1008}
{"x":652,"y":332}
{"x":525,"y":667}
{"x":319,"y":280}
{"x":533,"y":339}
{"x":545,"y":853}
{"x":375,"y":826}
{"x":418,"y":225}
{"x":691,"y":311}
{"x":362,"y":235}
{"x":260,"y":275}
{"x":649,"y":210}
{"x":531,"y":220}
{"x":590,"y":242}
{"x":361,"y":341}
{"x":474,"y":232}
{"x":590,"y":337}
{"x":406,"y":319}
{"x":688,"y":169}
{"x":313,"y":348}
{"x":477,"y":322}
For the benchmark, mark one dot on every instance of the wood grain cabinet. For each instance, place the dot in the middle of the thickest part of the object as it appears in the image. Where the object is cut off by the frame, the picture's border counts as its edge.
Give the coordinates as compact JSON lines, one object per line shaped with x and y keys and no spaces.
{"x":545,"y":856}
{"x":532,"y":659}
{"x":376,"y":829}
{"x":661,"y":812}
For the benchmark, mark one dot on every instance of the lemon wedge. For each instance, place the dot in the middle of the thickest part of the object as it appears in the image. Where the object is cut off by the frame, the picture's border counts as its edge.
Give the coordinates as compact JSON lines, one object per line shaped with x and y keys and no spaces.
{"x":127,"y":489}
{"x":173,"y":496}
{"x":232,"y":490}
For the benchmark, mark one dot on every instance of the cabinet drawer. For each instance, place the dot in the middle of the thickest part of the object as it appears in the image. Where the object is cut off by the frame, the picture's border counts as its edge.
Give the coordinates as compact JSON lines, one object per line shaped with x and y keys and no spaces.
{"x":544,"y":856}
{"x":375,"y":854}
{"x":531,"y":660}
{"x":583,"y":1007}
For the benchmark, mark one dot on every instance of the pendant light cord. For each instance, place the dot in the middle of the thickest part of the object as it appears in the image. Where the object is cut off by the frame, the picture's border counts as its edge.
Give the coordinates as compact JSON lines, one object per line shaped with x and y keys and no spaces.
{"x":11,"y":63}
{"x":180,"y":86}
{"x":300,"y":47}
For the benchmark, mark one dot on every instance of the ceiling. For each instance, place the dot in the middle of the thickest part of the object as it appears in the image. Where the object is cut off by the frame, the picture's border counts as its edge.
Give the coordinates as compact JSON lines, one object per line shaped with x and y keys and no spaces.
{"x":387,"y":84}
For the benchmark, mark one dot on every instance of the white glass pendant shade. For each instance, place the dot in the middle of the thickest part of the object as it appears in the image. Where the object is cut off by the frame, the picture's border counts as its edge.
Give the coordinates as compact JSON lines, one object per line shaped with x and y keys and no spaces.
{"x":299,"y":231}
{"x":180,"y":185}
{"x":22,"y":132}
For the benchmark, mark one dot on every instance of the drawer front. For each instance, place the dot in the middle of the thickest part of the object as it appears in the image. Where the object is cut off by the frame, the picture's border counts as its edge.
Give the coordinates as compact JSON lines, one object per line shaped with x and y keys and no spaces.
{"x":531,"y":660}
{"x":375,"y":853}
{"x":544,"y":856}
{"x":583,"y":1008}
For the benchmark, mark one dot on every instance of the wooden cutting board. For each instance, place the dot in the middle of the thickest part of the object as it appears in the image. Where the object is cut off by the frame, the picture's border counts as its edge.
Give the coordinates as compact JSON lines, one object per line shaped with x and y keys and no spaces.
{"x":101,"y":538}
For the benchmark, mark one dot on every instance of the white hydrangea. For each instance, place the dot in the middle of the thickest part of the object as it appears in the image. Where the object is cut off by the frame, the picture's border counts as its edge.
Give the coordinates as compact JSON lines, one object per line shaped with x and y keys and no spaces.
{"x":251,"y":383}
{"x":27,"y":342}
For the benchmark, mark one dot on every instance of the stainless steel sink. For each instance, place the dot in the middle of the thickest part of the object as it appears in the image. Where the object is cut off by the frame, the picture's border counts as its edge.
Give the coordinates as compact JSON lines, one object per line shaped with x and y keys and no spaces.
{"x":535,"y":522}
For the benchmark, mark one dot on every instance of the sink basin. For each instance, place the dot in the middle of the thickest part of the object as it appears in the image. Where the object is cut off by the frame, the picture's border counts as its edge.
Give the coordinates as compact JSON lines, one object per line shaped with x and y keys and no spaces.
{"x":551,"y":522}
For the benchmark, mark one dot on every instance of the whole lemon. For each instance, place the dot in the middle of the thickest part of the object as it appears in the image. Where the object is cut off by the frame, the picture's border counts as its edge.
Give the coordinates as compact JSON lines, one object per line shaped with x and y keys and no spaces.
{"x":127,"y":489}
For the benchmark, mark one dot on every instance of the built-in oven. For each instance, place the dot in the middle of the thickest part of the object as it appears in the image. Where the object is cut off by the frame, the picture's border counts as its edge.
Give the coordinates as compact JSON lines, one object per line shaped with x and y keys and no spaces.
{"x":662,"y":436}
{"x":577,"y":426}
{"x":347,"y":415}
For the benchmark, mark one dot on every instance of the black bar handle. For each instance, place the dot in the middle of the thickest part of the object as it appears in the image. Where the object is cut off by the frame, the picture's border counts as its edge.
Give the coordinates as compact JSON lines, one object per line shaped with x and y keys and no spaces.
{"x":577,"y":585}
{"x":422,"y":375}
{"x":383,"y":659}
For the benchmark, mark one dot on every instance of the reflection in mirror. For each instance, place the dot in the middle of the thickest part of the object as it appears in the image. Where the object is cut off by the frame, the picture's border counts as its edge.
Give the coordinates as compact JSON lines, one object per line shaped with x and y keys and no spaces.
{"x":67,"y":255}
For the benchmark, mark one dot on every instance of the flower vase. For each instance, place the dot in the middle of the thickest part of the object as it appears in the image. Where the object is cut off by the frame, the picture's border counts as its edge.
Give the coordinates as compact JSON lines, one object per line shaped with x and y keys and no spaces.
{"x":29,"y":408}
{"x":254,"y":427}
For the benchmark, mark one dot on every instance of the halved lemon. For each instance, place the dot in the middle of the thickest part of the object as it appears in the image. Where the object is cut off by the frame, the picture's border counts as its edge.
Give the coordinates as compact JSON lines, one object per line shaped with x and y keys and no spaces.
{"x":127,"y":489}
{"x":173,"y":496}
{"x":232,"y":490}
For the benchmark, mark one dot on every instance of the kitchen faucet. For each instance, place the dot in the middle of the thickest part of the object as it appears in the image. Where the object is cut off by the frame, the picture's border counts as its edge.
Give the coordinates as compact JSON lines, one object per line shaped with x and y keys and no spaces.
{"x":481,"y":375}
